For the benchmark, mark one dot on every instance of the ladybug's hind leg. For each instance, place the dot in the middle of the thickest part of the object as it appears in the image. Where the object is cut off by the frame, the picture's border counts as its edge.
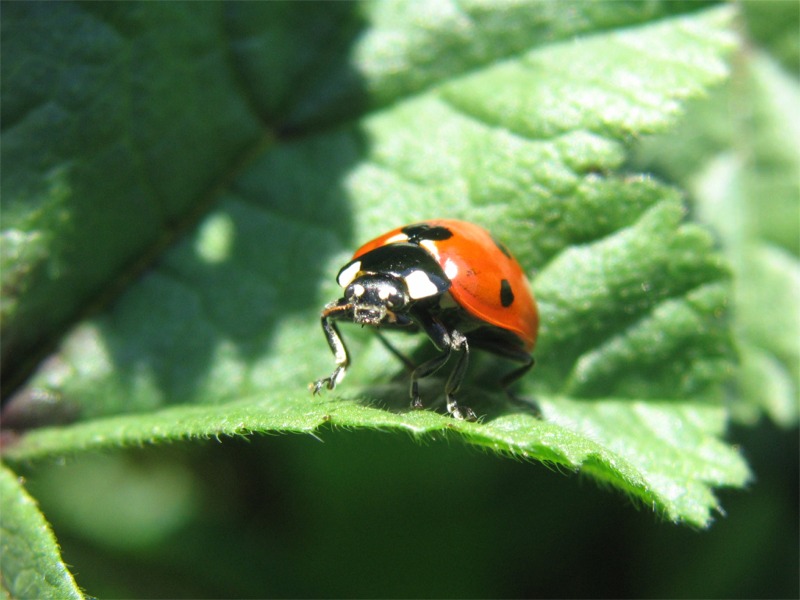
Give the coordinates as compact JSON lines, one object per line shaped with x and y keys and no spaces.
{"x":517,"y":355}
{"x":508,"y":380}
{"x":407,"y":362}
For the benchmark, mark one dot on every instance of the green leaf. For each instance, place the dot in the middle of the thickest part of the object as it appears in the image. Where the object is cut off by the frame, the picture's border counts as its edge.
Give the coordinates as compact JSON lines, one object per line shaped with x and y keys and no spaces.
{"x":744,"y":178}
{"x":30,"y":561}
{"x":485,"y":121}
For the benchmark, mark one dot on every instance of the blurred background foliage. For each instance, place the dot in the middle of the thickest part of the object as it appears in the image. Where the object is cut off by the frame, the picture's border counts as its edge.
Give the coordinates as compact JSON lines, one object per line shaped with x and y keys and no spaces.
{"x":371,"y":514}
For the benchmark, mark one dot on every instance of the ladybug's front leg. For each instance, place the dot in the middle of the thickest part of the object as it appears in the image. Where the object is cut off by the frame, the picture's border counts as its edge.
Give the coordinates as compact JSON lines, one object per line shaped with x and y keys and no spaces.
{"x":332,"y":312}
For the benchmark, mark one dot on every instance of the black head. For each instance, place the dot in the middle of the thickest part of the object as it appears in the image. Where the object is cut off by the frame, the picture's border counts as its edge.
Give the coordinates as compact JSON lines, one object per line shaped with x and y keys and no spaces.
{"x":377,"y":299}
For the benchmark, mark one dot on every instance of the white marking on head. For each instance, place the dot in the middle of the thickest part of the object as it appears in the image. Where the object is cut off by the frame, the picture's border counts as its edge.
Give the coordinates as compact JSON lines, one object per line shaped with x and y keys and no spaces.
{"x":384,"y":293}
{"x":450,"y":269}
{"x":430,"y":246}
{"x":347,"y":276}
{"x":420,"y":285}
{"x":358,"y":289}
{"x":398,"y":237}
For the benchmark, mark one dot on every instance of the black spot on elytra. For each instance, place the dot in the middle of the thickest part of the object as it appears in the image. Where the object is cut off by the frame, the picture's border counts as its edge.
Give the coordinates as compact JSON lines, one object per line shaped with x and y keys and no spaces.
{"x":501,"y":246}
{"x":506,"y":293}
{"x":422,"y":231}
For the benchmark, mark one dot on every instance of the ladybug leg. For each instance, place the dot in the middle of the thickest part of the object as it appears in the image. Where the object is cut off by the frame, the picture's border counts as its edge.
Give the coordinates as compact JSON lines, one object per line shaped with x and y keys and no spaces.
{"x":464,"y":413}
{"x":407,"y":362}
{"x":332,"y":312}
{"x":509,"y":379}
{"x":427,"y":368}
{"x":517,"y":355}
{"x":516,"y":374}
{"x":511,"y":353}
{"x":447,"y":342}
{"x":440,"y":337}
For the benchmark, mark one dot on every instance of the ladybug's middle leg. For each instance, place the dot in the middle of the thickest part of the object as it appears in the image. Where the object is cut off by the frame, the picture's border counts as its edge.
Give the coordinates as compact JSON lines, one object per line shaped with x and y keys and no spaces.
{"x":446,"y":341}
{"x":465,"y":413}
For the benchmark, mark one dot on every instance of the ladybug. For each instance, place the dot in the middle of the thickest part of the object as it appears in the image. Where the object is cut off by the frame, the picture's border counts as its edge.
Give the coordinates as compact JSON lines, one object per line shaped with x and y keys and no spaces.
{"x":452,"y":280}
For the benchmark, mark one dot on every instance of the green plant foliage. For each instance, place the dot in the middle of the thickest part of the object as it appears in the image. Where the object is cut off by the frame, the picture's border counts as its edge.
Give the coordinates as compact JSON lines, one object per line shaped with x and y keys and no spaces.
{"x":245,"y":180}
{"x":737,"y":153}
{"x":30,"y":560}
